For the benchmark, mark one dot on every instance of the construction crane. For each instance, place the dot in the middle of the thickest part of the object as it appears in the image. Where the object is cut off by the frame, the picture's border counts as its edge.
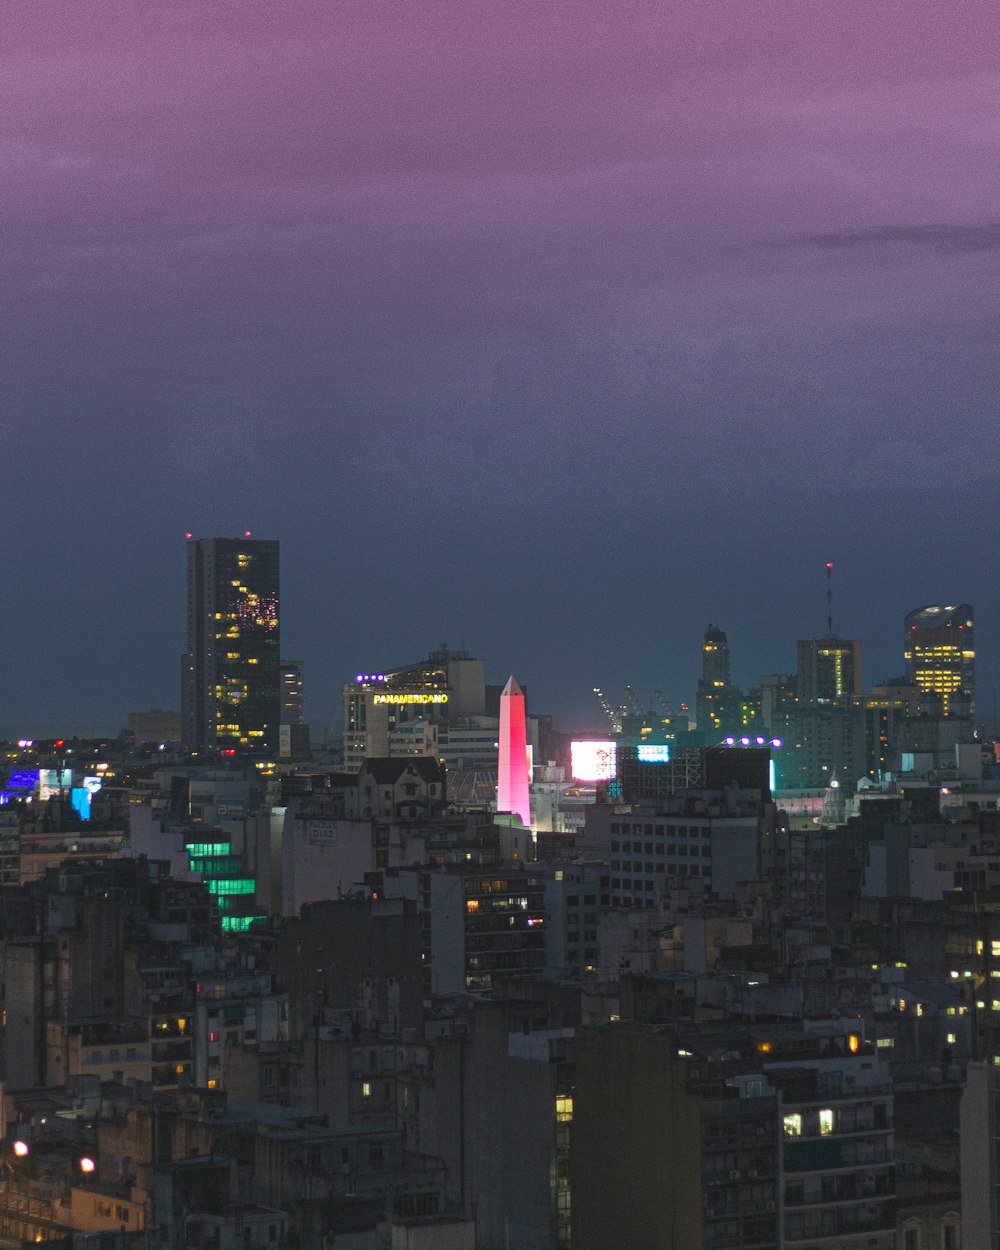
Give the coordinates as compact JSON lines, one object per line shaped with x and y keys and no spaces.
{"x":633,"y":700}
{"x":664,"y":703}
{"x":613,"y":715}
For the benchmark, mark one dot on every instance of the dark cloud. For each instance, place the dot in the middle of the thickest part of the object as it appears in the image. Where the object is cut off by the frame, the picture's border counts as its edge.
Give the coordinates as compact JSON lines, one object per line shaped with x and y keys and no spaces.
{"x":938,"y":236}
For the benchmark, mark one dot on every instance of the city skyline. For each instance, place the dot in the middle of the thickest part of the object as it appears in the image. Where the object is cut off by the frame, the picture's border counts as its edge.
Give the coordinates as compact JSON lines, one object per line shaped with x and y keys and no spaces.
{"x":667,"y":303}
{"x":499,"y":710}
{"x":576,"y":710}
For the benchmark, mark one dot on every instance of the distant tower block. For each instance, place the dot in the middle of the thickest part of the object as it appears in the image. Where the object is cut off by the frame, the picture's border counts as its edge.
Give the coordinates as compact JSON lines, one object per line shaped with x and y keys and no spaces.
{"x":513,"y":791}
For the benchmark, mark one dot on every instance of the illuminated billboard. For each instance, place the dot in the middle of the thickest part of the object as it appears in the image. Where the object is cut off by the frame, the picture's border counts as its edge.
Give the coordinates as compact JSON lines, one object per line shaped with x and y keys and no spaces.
{"x":410,"y":698}
{"x":53,"y":781}
{"x":21,"y":783}
{"x":593,"y":761}
{"x":653,"y":752}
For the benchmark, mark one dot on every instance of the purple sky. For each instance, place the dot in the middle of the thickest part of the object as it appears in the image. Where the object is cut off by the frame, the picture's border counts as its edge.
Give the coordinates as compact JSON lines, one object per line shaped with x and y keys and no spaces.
{"x":561,"y":329}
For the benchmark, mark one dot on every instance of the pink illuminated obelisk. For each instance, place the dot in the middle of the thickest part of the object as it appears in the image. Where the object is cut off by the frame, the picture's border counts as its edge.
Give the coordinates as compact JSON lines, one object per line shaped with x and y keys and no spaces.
{"x":513,"y":794}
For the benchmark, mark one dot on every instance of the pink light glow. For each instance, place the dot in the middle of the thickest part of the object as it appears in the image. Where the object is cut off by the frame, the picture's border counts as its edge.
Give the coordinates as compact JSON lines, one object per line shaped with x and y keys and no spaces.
{"x":513,"y":794}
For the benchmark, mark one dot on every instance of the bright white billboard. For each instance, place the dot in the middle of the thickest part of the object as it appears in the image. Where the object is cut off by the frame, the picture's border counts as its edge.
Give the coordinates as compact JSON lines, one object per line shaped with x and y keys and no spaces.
{"x":593,"y":761}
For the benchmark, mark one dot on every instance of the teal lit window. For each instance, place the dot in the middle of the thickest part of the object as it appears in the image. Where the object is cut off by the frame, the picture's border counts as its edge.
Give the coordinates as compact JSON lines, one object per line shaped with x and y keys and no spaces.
{"x":209,"y":848}
{"x":215,"y":865}
{"x":231,"y":885}
{"x":239,"y":924}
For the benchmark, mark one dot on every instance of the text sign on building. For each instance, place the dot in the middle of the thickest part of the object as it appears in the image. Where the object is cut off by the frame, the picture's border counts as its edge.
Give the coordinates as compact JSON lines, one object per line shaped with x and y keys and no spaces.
{"x":410,"y":698}
{"x":323,"y":832}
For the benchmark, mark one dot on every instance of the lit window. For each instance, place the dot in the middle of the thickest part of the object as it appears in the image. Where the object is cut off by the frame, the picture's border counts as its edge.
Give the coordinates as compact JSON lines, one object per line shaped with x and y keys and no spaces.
{"x":826,"y":1122}
{"x":366,"y":1089}
{"x":793,"y":1125}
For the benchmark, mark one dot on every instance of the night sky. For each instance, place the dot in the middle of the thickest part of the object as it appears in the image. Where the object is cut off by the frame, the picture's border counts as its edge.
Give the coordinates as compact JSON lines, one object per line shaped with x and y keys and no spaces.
{"x":559,"y":330}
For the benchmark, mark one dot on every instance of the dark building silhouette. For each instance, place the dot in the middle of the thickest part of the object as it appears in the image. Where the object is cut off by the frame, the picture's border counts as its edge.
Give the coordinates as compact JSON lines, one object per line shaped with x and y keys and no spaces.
{"x":719,"y":702}
{"x":828,"y":668}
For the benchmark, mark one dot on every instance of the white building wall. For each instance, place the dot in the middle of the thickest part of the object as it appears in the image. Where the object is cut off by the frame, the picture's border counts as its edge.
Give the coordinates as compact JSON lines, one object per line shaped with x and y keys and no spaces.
{"x":322,"y":859}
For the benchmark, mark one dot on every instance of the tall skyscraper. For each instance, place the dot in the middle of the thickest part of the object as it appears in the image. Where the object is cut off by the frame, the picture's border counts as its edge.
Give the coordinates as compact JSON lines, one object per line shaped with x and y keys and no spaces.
{"x":828,"y":669}
{"x":715,"y":658}
{"x":292,"y":696}
{"x":513,"y":789}
{"x":940,"y":653}
{"x":719,"y":702}
{"x":230,"y":690}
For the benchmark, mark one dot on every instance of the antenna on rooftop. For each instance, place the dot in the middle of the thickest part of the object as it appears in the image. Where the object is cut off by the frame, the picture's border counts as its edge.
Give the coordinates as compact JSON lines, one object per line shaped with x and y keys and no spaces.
{"x":829,"y":598}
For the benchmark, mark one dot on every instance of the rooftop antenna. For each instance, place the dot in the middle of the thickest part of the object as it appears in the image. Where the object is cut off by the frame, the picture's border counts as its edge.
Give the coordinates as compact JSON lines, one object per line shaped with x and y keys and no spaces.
{"x":829,"y":598}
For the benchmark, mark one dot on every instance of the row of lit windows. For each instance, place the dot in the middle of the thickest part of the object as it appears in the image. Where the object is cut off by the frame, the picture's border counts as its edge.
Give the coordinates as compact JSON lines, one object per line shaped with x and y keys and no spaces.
{"x":239,"y":924}
{"x":231,"y":885}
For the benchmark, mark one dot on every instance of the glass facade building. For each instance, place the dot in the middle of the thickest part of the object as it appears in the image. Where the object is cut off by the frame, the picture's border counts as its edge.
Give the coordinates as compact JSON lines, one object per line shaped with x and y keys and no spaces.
{"x":232,"y":671}
{"x":940,"y":653}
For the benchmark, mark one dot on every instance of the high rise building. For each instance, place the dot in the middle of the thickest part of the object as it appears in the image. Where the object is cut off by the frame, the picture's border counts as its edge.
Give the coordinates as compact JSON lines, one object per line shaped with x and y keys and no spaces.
{"x":513,"y":781}
{"x":231,"y":699}
{"x":715,"y":658}
{"x":405,"y":710}
{"x":292,"y":699}
{"x":828,"y":668}
{"x":940,"y":653}
{"x":719,"y":702}
{"x":293,"y":736}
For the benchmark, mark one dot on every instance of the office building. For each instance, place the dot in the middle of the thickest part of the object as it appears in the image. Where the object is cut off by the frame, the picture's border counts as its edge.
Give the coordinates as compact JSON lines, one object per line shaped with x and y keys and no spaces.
{"x":940,"y":654}
{"x":383,"y":707}
{"x":231,"y":698}
{"x":292,"y":693}
{"x":719,"y":702}
{"x":777,"y":696}
{"x":293,"y":738}
{"x":154,"y":727}
{"x":828,"y":669}
{"x":823,"y":742}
